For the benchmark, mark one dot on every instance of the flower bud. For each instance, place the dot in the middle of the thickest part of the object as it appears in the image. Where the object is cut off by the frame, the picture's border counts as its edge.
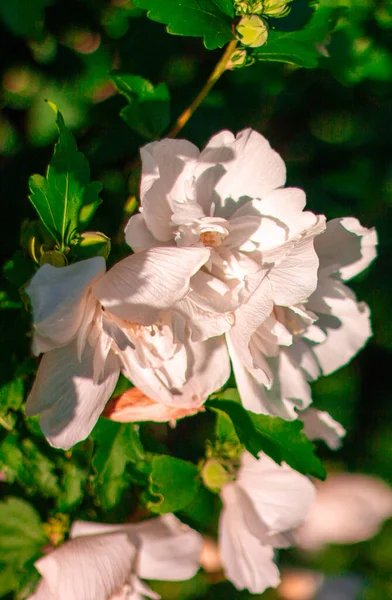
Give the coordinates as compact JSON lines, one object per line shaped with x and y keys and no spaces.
{"x":276,"y":8}
{"x":214,"y":475}
{"x":248,"y":7}
{"x":252,"y":31}
{"x":240,"y":59}
{"x":54,"y":258}
{"x":92,"y":243}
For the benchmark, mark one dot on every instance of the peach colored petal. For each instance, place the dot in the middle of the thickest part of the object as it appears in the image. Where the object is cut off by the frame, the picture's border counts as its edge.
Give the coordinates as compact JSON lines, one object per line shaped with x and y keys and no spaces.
{"x":133,"y":406}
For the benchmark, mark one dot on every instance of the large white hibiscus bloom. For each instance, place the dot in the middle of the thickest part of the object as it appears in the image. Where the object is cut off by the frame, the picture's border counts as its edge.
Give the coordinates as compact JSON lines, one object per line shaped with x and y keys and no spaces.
{"x":229,"y":198}
{"x":260,"y":510}
{"x":91,"y":325}
{"x":301,"y":342}
{"x":107,"y":562}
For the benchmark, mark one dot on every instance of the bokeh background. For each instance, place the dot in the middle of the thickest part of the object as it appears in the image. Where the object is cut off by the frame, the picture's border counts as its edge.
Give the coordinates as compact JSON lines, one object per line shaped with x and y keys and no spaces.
{"x":333,"y":127}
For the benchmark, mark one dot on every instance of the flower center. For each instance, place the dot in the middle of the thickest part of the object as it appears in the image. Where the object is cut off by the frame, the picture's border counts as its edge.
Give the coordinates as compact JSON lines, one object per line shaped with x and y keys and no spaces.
{"x":212,"y":239}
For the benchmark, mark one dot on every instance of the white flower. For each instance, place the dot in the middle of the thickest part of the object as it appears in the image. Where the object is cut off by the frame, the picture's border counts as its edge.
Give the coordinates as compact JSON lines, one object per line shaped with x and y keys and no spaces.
{"x":349,"y":508}
{"x":303,"y":341}
{"x":91,"y":325}
{"x":105,"y":562}
{"x":229,"y":198}
{"x":260,"y":510}
{"x":319,"y":425}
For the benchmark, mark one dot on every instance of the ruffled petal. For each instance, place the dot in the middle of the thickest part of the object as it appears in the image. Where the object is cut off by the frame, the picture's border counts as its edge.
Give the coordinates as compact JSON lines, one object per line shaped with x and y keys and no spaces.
{"x":281,"y":496}
{"x":166,"y":167}
{"x":246,"y":562}
{"x":241,"y":166}
{"x":319,"y":425}
{"x":140,"y":286}
{"x":66,"y":396}
{"x":58,"y":297}
{"x":86,"y":568}
{"x":139,"y":237}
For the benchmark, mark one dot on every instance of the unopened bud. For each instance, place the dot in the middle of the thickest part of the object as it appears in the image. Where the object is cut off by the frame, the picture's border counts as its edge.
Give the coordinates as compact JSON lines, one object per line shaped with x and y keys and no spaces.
{"x":240,"y":59}
{"x":252,"y":31}
{"x":248,"y":7}
{"x":276,"y":8}
{"x":54,"y":258}
{"x":92,"y":243}
{"x":214,"y":475}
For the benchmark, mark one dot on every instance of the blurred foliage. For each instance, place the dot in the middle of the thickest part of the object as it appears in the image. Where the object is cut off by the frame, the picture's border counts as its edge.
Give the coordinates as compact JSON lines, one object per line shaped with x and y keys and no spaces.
{"x":333,"y":127}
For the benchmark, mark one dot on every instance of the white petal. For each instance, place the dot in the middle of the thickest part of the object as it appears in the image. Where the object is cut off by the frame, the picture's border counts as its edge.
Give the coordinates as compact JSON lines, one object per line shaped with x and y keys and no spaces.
{"x":139,"y":286}
{"x":346,"y":247}
{"x":166,"y":167}
{"x":207,"y":368}
{"x":319,"y":425}
{"x":87,"y":568}
{"x":170,"y":550}
{"x":281,"y":497}
{"x":58,"y":297}
{"x":138,"y":236}
{"x":246,"y":562}
{"x":294,"y":278}
{"x":248,"y":167}
{"x":293,"y":382}
{"x":347,"y":327}
{"x":66,"y":396}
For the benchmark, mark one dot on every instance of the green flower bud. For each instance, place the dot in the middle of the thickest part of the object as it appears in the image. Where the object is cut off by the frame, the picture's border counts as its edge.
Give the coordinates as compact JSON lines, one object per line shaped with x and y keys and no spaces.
{"x":92,"y":243}
{"x":240,"y":59}
{"x":248,"y":7}
{"x":214,"y":475}
{"x":276,"y":8}
{"x":252,"y":31}
{"x":54,"y":258}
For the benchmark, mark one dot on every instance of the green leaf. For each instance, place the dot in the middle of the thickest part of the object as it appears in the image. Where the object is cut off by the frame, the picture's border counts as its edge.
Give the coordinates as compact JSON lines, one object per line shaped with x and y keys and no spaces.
{"x":11,"y":399}
{"x":23,"y":461}
{"x":72,"y":487}
{"x":22,"y":534}
{"x":299,"y":48}
{"x":117,"y":445}
{"x":281,"y":440}
{"x":209,"y":19}
{"x":19,"y":269}
{"x":174,"y":483}
{"x":148,"y":108}
{"x":60,"y":196}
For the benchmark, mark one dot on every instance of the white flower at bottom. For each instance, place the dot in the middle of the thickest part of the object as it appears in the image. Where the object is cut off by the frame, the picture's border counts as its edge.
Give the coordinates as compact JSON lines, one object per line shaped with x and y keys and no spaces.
{"x":260,"y":510}
{"x":104,"y":562}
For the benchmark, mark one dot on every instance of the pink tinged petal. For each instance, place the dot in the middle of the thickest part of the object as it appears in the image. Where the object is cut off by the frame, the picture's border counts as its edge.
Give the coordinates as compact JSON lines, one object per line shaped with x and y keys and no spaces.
{"x":349,"y":508}
{"x":281,"y":496}
{"x":166,"y":167}
{"x":66,"y":396}
{"x":138,"y":236}
{"x":251,"y":168}
{"x":301,"y":353}
{"x":346,"y":247}
{"x":347,"y":328}
{"x":246,"y":562}
{"x":58,"y":297}
{"x":87,"y":568}
{"x":294,"y":278}
{"x":319,"y":425}
{"x":133,"y":406}
{"x":293,"y":384}
{"x":140,"y":286}
{"x":170,"y":550}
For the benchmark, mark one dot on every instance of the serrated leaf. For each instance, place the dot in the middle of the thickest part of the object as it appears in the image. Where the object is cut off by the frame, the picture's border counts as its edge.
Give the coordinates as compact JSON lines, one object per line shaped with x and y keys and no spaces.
{"x":117,"y":445}
{"x":209,"y":19}
{"x":300,"y":48}
{"x":282,"y":440}
{"x":148,"y":109}
{"x":60,"y":196}
{"x":22,"y":534}
{"x":173,"y":482}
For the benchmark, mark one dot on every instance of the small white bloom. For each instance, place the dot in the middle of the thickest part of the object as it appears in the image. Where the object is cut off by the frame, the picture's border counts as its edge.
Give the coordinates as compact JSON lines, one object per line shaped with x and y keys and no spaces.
{"x":105,"y":562}
{"x":260,"y":510}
